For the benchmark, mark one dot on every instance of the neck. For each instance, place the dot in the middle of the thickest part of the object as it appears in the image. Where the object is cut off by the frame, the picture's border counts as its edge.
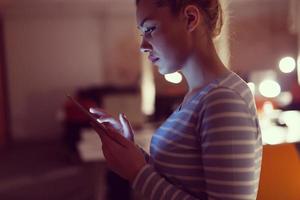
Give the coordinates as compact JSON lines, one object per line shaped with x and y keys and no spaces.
{"x":203,"y":66}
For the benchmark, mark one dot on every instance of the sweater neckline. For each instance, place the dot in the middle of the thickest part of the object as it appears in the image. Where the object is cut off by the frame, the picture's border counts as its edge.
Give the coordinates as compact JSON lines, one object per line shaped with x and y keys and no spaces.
{"x":195,"y":92}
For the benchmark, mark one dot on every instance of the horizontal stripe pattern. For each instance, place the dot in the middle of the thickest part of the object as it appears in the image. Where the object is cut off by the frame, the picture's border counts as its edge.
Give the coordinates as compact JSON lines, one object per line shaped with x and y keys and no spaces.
{"x":210,"y":149}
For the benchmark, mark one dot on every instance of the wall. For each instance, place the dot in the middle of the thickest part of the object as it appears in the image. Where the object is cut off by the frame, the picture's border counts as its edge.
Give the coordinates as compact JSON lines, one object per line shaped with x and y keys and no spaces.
{"x":259,"y":34}
{"x":3,"y":93}
{"x":3,"y":123}
{"x":50,"y":53}
{"x":3,"y":119}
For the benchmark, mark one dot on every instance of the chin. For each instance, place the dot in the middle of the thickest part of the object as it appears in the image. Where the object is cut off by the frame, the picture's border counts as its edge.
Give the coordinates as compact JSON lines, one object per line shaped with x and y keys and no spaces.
{"x":163,"y":72}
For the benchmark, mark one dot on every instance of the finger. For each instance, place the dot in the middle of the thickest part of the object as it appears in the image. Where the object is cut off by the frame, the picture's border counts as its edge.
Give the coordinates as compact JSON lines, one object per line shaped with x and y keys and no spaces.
{"x":119,"y":138}
{"x":111,"y":137}
{"x":108,"y":120}
{"x":117,"y":129}
{"x":127,"y":128}
{"x":103,"y":116}
{"x":98,"y":111}
{"x":100,"y":130}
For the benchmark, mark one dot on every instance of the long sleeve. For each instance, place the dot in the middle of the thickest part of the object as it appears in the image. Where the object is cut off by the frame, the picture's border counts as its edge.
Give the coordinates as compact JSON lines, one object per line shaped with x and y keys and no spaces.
{"x":210,"y":149}
{"x":231,"y":146}
{"x":154,"y":186}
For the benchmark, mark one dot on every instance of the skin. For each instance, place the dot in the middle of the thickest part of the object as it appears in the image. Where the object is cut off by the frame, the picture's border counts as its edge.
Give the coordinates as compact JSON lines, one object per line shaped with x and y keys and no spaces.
{"x":121,"y":154}
{"x":174,"y":43}
{"x":182,"y":43}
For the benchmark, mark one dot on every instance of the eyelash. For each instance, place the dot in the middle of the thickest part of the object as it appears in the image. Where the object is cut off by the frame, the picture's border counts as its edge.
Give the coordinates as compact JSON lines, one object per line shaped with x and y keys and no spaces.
{"x":148,"y":31}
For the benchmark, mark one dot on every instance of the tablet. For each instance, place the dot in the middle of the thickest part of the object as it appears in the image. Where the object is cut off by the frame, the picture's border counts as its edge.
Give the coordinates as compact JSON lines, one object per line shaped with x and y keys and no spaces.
{"x":87,"y":113}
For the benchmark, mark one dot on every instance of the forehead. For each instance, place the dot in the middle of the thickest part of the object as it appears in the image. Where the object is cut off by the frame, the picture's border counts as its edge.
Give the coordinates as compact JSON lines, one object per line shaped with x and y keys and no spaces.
{"x":147,"y":9}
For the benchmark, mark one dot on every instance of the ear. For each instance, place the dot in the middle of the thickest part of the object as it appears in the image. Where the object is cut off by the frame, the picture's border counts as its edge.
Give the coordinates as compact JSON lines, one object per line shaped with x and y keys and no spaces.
{"x":193,"y":17}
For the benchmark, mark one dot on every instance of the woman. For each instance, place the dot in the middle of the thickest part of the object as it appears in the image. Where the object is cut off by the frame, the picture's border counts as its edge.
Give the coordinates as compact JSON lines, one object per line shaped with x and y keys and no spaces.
{"x":210,"y":147}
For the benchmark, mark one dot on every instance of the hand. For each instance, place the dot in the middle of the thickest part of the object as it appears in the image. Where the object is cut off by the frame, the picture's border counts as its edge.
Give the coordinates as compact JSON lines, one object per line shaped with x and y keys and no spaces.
{"x":119,"y":125}
{"x":122,"y":155}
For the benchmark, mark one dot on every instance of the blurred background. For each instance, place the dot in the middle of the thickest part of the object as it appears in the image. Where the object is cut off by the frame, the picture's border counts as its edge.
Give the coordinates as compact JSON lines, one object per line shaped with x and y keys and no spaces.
{"x":90,"y":50}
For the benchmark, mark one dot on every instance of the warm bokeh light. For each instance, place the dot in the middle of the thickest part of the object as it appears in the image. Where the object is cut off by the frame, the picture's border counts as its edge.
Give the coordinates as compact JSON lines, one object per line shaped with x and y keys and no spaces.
{"x":285,"y":98}
{"x":252,"y":87}
{"x":287,"y":64}
{"x":269,"y":88}
{"x":298,"y":69}
{"x":291,"y":119}
{"x":273,"y":135}
{"x":268,"y":107}
{"x":174,"y":77}
{"x":148,"y":87}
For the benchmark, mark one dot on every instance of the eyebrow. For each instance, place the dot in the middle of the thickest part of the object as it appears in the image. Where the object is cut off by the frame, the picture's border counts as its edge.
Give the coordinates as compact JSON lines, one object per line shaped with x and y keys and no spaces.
{"x":143,"y":22}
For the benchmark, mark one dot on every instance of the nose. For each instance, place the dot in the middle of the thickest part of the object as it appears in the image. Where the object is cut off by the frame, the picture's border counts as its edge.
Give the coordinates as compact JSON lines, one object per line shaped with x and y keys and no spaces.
{"x":145,"y":46}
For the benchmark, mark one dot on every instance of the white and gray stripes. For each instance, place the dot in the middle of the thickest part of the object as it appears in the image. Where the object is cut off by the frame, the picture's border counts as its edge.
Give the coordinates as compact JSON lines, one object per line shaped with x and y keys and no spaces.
{"x":210,"y":149}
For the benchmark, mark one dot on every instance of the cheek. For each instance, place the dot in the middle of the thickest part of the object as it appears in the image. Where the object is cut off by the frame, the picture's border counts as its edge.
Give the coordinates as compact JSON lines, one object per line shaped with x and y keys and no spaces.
{"x":166,"y":48}
{"x":170,"y":46}
{"x":175,"y":46}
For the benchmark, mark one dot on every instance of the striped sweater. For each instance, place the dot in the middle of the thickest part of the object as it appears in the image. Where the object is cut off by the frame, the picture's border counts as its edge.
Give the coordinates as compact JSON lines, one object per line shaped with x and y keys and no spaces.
{"x":210,"y":148}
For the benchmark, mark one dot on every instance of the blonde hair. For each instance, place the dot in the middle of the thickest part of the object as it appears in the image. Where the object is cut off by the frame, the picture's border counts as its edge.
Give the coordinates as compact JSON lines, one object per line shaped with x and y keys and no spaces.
{"x":211,"y":9}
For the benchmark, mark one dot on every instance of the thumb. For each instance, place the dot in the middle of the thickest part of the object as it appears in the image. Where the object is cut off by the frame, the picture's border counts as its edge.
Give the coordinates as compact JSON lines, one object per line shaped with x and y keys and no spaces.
{"x":127,"y":129}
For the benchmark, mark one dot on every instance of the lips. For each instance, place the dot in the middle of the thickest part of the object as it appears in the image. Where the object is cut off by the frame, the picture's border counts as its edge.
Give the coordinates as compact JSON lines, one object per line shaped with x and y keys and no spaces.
{"x":152,"y":58}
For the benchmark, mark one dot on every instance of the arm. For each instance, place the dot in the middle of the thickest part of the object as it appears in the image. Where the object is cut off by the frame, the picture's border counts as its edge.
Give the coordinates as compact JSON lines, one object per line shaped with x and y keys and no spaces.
{"x":128,"y":160}
{"x":231,"y":146}
{"x":228,"y":138}
{"x":154,"y":186}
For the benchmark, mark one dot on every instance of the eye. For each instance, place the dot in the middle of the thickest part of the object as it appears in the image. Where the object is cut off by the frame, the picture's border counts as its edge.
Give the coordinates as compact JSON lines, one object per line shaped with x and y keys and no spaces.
{"x":148,"y":31}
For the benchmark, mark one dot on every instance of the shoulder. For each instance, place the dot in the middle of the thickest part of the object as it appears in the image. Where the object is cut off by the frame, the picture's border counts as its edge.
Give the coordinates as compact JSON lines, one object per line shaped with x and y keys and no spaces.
{"x":222,"y":94}
{"x":232,"y":90}
{"x":223,"y":100}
